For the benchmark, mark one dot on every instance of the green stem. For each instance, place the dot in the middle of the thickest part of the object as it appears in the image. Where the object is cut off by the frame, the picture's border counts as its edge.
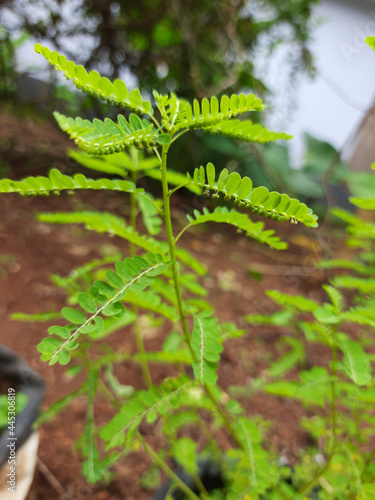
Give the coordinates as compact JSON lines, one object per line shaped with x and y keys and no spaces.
{"x":172,"y":247}
{"x":132,"y":222}
{"x":179,"y":134}
{"x":320,"y":473}
{"x":164,"y":467}
{"x":179,"y":187}
{"x":182,"y":232}
{"x":177,"y":286}
{"x":141,"y":349}
{"x":333,"y":395}
{"x":368,"y":462}
{"x":200,"y":486}
{"x":152,"y":202}
{"x":108,"y":395}
{"x":137,"y":330}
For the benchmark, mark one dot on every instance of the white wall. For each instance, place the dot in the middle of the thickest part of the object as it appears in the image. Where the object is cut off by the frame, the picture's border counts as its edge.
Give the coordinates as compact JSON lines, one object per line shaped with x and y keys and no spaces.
{"x":331,"y":106}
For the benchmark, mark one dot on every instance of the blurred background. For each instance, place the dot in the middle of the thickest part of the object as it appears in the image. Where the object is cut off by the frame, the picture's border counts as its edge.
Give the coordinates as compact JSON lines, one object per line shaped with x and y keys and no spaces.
{"x":305,"y":58}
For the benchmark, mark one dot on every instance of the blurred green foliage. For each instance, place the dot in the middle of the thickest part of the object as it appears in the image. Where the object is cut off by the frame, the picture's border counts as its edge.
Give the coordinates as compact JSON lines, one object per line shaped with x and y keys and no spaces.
{"x":196,"y":47}
{"x":8,"y":47}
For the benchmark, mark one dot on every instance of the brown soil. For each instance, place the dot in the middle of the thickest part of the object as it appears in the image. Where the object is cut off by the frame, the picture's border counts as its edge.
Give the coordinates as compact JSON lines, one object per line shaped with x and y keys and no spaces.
{"x":32,"y":251}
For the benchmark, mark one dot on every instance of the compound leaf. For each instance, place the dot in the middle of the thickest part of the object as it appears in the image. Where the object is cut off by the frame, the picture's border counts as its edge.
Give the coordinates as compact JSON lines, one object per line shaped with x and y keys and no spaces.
{"x":253,"y":230}
{"x":206,"y":346}
{"x":106,"y":300}
{"x":94,"y":84}
{"x":259,"y":200}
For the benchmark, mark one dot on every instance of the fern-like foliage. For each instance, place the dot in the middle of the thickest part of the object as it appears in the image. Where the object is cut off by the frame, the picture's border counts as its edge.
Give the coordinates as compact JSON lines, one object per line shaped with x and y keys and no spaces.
{"x":256,"y":458}
{"x":336,"y":297}
{"x":151,"y":301}
{"x":144,"y":404}
{"x":296,"y":302}
{"x":57,"y":182}
{"x":115,"y":164}
{"x":189,"y":260}
{"x":184,"y":451}
{"x":365,"y":203}
{"x":94,"y":84}
{"x":174,"y":179}
{"x":104,"y":138}
{"x":245,"y":131}
{"x":59,"y":405}
{"x":104,"y":298}
{"x":206,"y":346}
{"x":356,"y":226}
{"x":150,"y":214}
{"x":295,"y":355}
{"x":356,"y":361}
{"x":178,"y":114}
{"x":357,"y":267}
{"x":104,"y":223}
{"x":362,"y":285}
{"x":313,"y":388}
{"x":122,"y":163}
{"x":82,"y":275}
{"x":114,"y":225}
{"x":262,"y":202}
{"x":253,"y":230}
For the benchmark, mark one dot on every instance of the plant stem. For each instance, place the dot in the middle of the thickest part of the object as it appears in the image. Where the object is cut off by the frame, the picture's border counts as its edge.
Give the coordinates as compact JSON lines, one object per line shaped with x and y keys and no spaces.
{"x":333,"y":395}
{"x":140,"y":195}
{"x":177,"y":286}
{"x":133,"y":201}
{"x":368,"y":462}
{"x":315,"y":479}
{"x":141,"y":349}
{"x":164,"y":467}
{"x":108,"y":395}
{"x":200,"y":486}
{"x":179,"y":187}
{"x":181,"y":232}
{"x":172,"y":248}
{"x":137,"y":329}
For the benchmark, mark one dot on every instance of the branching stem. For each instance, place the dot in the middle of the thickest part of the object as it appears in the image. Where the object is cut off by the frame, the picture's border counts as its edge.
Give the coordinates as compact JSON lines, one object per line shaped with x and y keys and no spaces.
{"x":315,"y":479}
{"x":181,"y":232}
{"x":137,"y":330}
{"x":176,"y":279}
{"x":164,"y":467}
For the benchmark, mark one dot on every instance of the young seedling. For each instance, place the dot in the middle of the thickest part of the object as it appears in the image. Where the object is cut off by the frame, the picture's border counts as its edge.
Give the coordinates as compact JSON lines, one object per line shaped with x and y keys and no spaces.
{"x":155,"y":277}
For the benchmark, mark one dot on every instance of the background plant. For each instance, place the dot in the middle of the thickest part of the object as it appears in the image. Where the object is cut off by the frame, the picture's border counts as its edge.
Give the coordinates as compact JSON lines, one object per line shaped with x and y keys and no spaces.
{"x":340,"y":390}
{"x":198,"y":48}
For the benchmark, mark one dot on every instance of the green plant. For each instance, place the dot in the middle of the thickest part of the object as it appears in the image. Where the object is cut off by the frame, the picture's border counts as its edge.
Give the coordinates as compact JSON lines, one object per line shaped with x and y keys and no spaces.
{"x":156,"y":281}
{"x":340,"y":390}
{"x":8,"y":48}
{"x":196,"y":47}
{"x":20,"y":401}
{"x":269,"y":165}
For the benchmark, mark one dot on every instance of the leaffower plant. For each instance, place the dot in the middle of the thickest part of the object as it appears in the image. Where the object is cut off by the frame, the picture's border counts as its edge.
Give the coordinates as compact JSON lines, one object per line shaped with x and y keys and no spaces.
{"x":159,"y":280}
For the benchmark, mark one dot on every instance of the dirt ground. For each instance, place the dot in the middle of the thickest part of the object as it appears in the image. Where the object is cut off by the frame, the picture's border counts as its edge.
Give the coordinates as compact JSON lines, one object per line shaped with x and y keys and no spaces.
{"x":32,"y":251}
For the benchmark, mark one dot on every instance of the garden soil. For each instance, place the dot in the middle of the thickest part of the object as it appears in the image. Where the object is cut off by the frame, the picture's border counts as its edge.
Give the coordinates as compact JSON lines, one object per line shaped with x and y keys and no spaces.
{"x":31,"y":251}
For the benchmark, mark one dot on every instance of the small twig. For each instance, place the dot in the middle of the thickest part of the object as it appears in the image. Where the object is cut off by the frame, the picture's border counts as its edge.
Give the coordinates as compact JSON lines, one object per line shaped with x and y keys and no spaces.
{"x":51,"y":478}
{"x":278,"y":269}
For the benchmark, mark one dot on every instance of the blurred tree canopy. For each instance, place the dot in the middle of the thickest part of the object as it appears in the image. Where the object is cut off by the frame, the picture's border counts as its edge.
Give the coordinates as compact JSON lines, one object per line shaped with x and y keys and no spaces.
{"x":196,"y":47}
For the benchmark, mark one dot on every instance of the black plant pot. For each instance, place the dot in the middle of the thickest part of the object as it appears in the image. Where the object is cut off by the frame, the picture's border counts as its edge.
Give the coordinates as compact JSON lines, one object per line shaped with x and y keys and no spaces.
{"x":212,"y":479}
{"x":17,"y":462}
{"x":24,"y":379}
{"x":209,"y":473}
